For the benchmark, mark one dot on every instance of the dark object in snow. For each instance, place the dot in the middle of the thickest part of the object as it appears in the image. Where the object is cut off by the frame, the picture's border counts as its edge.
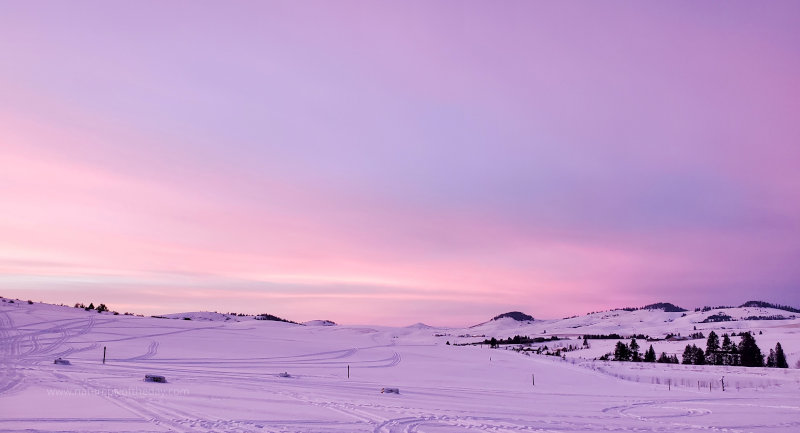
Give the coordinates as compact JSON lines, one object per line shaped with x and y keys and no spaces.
{"x":284,"y":374}
{"x":390,"y":390}
{"x":60,"y":361}
{"x":155,"y":378}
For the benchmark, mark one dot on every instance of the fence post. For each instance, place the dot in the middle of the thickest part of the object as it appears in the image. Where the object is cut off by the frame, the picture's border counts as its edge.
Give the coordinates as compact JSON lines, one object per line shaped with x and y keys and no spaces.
{"x":104,"y":354}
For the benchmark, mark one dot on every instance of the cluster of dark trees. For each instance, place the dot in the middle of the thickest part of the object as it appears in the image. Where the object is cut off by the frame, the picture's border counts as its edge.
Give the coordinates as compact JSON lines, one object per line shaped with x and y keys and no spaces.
{"x":266,"y":316}
{"x":707,"y":308}
{"x":517,"y":339}
{"x":612,"y":337}
{"x":516,"y":315}
{"x":772,"y":317}
{"x":719,"y":317}
{"x":761,"y":304}
{"x":630,"y":352}
{"x":666,"y":306}
{"x":100,"y":308}
{"x":745,"y":354}
{"x":752,"y":304}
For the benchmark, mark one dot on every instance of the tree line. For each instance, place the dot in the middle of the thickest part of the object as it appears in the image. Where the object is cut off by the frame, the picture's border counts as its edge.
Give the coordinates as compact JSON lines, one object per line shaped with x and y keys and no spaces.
{"x":725,"y":352}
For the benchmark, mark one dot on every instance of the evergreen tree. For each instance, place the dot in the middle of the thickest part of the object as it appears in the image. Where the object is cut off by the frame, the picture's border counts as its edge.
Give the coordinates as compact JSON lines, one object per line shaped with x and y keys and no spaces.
{"x":650,"y":355}
{"x":699,"y":356}
{"x":727,"y":344}
{"x":634,"y":350}
{"x":664,"y":359}
{"x":729,"y":356}
{"x":780,"y":357}
{"x":493,"y":342}
{"x":688,"y":355}
{"x":771,"y":358}
{"x":91,"y":306}
{"x":749,"y":351}
{"x":622,"y":352}
{"x":712,"y":349}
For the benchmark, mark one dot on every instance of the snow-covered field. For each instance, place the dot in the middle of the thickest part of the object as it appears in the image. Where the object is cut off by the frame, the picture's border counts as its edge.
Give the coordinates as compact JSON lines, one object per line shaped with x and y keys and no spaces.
{"x":224,"y":375}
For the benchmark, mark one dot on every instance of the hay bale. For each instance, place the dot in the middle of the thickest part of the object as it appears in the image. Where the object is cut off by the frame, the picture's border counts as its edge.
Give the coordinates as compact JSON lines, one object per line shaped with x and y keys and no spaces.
{"x":155,"y":378}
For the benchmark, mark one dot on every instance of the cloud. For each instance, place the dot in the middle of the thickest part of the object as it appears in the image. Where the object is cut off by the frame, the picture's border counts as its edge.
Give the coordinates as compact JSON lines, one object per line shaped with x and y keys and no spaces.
{"x":543,"y":157}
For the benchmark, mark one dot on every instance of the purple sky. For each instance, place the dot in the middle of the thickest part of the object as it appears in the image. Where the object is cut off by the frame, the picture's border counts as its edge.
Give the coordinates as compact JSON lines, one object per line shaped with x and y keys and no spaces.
{"x":399,"y":161}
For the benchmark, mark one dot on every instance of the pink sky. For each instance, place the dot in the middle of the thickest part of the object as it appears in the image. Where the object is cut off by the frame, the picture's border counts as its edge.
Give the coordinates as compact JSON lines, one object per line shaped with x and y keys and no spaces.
{"x":399,"y":162}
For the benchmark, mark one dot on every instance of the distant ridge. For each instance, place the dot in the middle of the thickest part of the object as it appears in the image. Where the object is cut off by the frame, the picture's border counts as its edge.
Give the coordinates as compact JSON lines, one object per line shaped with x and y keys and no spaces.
{"x":516,"y":315}
{"x":666,"y":306}
{"x":762,"y":304}
{"x":266,"y":316}
{"x":419,"y":325}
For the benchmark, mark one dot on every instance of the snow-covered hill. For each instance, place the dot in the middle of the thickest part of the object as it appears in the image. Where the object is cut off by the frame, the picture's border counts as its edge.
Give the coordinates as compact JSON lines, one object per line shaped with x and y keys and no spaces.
{"x":319,"y":323}
{"x":224,"y":375}
{"x":655,"y":323}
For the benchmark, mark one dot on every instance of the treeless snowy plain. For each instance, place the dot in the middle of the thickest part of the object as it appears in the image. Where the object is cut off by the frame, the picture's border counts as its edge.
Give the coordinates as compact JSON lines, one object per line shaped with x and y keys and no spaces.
{"x":224,"y":375}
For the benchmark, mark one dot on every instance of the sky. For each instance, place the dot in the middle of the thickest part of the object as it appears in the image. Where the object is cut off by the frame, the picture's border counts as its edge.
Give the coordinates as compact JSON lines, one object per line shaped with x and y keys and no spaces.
{"x":398,"y":162}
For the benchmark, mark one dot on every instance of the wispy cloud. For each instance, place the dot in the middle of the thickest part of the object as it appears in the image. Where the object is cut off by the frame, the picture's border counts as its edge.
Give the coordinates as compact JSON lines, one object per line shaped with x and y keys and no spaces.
{"x":416,"y":157}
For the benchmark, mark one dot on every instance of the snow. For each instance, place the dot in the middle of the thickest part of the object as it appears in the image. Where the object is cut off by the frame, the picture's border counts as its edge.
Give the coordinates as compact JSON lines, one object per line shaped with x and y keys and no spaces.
{"x":319,"y":323}
{"x":207,"y":316}
{"x":224,"y":375}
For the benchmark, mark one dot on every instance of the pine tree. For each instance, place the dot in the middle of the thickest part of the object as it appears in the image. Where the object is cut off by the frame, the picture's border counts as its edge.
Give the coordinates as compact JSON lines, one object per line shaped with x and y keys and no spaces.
{"x":622,"y":352}
{"x":91,"y":306}
{"x":688,"y":355}
{"x":634,"y":350}
{"x":749,"y":351}
{"x":771,"y":358}
{"x":712,"y":349}
{"x":780,"y":357}
{"x":664,"y":359}
{"x":650,"y":355}
{"x":699,"y":356}
{"x":729,"y":356}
